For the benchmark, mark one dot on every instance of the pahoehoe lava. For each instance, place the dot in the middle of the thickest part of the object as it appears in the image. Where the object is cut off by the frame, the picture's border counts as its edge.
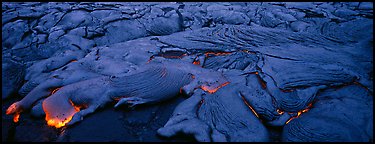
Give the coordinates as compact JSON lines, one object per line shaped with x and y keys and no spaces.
{"x":240,"y":69}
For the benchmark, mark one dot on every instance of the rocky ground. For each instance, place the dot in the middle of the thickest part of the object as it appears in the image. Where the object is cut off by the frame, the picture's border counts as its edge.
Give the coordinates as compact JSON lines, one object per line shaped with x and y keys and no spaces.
{"x":298,"y":71}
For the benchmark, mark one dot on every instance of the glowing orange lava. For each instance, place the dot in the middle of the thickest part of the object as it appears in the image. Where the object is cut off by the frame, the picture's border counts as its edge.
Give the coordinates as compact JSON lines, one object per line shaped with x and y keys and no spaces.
{"x":261,"y":81}
{"x":248,"y":105}
{"x":58,"y":123}
{"x":300,"y":112}
{"x":305,"y":110}
{"x":289,"y":120}
{"x":16,"y":117}
{"x":173,"y":56}
{"x":73,"y":60}
{"x":216,"y":53}
{"x":55,"y":90}
{"x":12,"y":109}
{"x":280,"y":111}
{"x":197,"y":62}
{"x":208,"y":89}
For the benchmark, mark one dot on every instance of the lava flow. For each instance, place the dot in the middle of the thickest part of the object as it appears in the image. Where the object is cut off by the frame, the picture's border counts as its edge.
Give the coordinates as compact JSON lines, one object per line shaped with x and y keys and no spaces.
{"x":16,"y":117}
{"x":280,"y":112}
{"x":216,"y":53}
{"x":248,"y":105}
{"x":13,"y":109}
{"x":55,"y":117}
{"x":196,"y":62}
{"x":58,"y":124}
{"x":55,"y":90}
{"x":299,"y":113}
{"x":210,"y":90}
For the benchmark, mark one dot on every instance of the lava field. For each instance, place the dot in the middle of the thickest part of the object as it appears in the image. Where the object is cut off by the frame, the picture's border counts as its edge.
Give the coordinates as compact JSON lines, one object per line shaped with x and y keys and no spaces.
{"x":187,"y":71}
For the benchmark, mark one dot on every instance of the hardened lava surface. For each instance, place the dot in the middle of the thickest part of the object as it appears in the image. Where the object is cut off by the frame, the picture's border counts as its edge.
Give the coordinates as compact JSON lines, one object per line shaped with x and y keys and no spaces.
{"x":187,"y":71}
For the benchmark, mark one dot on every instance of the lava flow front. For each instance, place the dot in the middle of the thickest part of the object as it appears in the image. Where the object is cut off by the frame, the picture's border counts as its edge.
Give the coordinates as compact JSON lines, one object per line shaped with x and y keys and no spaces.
{"x":15,"y":110}
{"x":59,"y":116}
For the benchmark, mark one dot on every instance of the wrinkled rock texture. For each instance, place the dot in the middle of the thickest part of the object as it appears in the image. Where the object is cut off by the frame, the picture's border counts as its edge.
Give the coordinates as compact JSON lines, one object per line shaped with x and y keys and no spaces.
{"x":188,"y":71}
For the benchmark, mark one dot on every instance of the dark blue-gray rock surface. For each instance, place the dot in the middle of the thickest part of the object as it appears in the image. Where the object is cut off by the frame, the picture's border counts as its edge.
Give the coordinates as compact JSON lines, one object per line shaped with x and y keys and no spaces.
{"x":188,"y":71}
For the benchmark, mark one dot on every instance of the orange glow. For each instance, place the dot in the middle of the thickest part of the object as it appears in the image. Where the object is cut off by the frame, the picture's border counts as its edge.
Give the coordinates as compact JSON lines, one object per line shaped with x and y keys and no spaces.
{"x":262,"y":83}
{"x":16,"y":116}
{"x":307,"y":109}
{"x":208,"y":89}
{"x":216,"y":53}
{"x":280,"y":111}
{"x":289,"y":120}
{"x":300,"y":112}
{"x":73,"y":60}
{"x":197,"y":62}
{"x":58,"y":123}
{"x":260,"y":80}
{"x":193,"y":76}
{"x":253,"y":73}
{"x":55,"y":90}
{"x":152,"y":57}
{"x":248,"y":105}
{"x":13,"y":109}
{"x":116,"y":99}
{"x":173,"y":57}
{"x":76,"y":108}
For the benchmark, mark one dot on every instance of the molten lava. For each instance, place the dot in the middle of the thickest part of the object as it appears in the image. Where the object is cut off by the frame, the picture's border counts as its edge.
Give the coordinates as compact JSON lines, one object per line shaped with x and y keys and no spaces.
{"x":261,"y":81}
{"x":55,"y":90}
{"x":280,"y":112}
{"x":57,"y":121}
{"x":248,"y":105}
{"x":197,"y":62}
{"x":14,"y":109}
{"x":173,"y":56}
{"x":216,"y":53}
{"x":16,"y":117}
{"x":210,"y":90}
{"x":58,"y":124}
{"x":300,"y":112}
